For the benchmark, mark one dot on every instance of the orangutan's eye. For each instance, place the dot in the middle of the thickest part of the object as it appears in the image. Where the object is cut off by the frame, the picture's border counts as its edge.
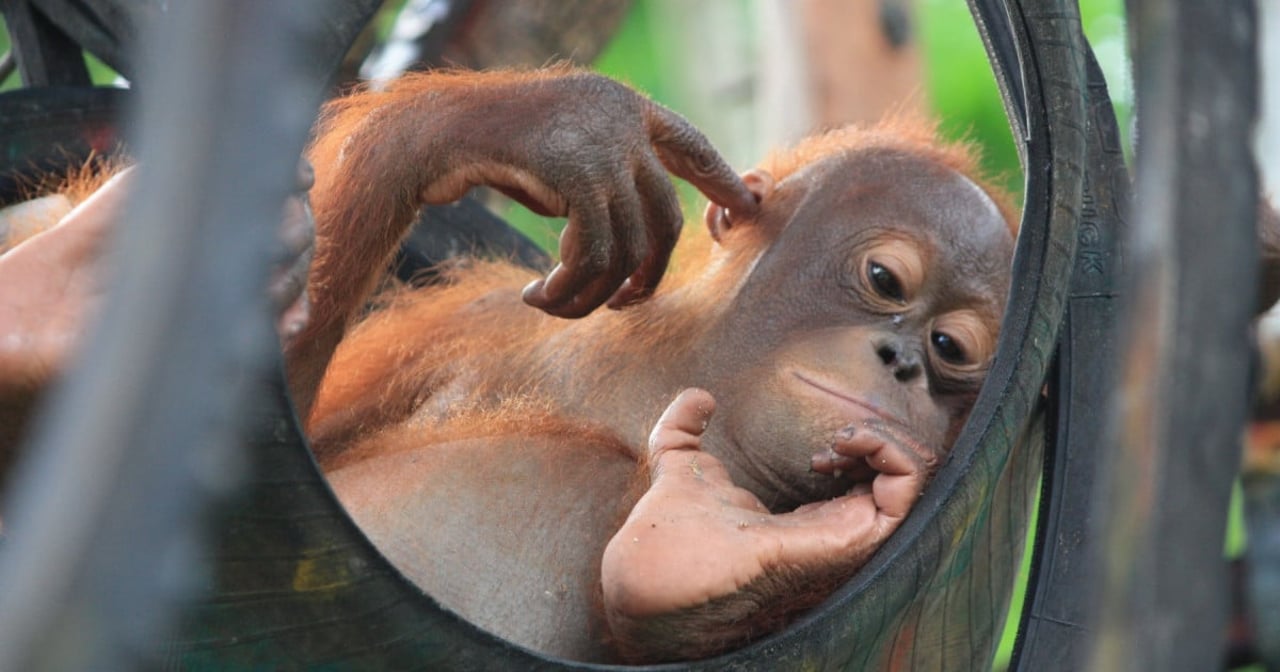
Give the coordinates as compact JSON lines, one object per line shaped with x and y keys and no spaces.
{"x":962,"y":343}
{"x":947,"y":348}
{"x":885,"y":282}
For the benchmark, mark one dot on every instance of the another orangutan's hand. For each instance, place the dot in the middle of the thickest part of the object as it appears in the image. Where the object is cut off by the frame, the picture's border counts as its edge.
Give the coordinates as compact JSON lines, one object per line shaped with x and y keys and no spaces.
{"x":585,"y":147}
{"x":52,"y":283}
{"x":49,"y":284}
{"x":700,"y":560}
{"x":287,"y":289}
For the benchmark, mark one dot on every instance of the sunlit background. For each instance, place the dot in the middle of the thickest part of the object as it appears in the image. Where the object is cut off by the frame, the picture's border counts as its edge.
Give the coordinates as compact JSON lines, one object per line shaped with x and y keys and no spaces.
{"x":744,"y":72}
{"x":738,"y":70}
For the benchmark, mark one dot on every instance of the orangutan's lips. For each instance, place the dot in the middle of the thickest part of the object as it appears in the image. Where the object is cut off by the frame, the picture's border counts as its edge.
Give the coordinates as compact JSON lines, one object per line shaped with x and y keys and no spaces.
{"x":872,"y":408}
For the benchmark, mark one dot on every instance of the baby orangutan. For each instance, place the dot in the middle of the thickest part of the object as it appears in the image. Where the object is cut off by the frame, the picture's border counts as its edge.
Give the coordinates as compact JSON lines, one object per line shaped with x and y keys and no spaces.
{"x":822,"y":346}
{"x":840,"y":331}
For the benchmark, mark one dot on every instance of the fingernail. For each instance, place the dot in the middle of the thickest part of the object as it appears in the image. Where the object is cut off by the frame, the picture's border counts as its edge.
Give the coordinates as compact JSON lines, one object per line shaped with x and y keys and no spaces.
{"x":531,"y":291}
{"x":306,"y":176}
{"x":821,"y":462}
{"x":845,"y":434}
{"x":626,"y":295}
{"x":293,"y":327}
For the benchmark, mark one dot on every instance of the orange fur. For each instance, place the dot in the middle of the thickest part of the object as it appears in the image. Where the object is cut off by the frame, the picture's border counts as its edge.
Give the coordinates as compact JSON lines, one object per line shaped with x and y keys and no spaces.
{"x":461,"y":352}
{"x":912,"y":133}
{"x":475,"y":331}
{"x":372,"y":162}
{"x":88,"y":177}
{"x":525,"y":417}
{"x":375,"y":154}
{"x":76,"y":185}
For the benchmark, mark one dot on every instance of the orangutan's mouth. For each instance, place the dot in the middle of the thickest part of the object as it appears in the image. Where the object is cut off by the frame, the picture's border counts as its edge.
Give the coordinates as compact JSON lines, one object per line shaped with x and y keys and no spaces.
{"x":849,"y":399}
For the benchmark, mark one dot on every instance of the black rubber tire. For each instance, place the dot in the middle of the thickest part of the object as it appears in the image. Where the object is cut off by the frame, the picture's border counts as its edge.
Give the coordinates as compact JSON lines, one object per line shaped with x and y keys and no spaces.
{"x":47,"y":131}
{"x":110,"y":28}
{"x":1053,"y":630}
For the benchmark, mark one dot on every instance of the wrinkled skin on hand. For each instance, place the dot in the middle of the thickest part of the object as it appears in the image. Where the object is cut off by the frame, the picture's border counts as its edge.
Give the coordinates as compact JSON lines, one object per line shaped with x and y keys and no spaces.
{"x":51,"y":283}
{"x":695,"y":542}
{"x":597,"y":153}
{"x":50,"y":286}
{"x":563,"y":143}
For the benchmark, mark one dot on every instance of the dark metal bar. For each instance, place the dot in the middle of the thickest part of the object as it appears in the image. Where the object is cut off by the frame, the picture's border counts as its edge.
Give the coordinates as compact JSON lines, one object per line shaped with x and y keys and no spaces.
{"x":106,"y":516}
{"x":45,"y":55}
{"x":1261,"y":591}
{"x":8,"y":64}
{"x":106,"y":28}
{"x":1184,"y":390}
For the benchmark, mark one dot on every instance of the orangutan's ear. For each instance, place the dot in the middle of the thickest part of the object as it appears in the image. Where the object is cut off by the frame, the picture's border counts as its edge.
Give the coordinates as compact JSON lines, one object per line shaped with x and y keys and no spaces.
{"x":719,"y":219}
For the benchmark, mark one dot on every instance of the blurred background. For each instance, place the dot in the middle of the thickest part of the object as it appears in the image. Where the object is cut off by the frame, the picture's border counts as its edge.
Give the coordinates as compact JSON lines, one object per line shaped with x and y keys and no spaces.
{"x":752,"y":74}
{"x":758,"y":74}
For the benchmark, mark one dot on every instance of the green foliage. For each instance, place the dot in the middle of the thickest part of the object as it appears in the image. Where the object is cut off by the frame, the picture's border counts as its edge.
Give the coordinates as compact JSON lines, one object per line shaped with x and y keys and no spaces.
{"x":638,"y":56}
{"x":12,"y":81}
{"x":963,"y":91}
{"x":959,"y":83}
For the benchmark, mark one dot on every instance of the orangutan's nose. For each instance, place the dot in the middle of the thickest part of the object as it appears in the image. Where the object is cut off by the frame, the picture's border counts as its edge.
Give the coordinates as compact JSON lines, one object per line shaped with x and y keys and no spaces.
{"x":902,"y":360}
